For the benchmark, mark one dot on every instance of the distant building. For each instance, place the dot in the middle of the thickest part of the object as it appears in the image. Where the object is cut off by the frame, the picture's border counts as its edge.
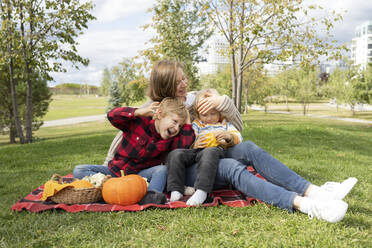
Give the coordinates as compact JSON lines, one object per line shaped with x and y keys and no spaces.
{"x":215,"y":58}
{"x":361,"y":45}
{"x":330,"y":66}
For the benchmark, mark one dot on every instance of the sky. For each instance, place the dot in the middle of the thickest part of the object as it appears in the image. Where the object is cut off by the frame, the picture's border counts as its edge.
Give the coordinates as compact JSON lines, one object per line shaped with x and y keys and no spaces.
{"x":117,"y":34}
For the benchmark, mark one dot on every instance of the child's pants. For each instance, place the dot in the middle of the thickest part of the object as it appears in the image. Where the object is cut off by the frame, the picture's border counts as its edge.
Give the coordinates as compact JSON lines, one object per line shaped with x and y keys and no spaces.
{"x":206,"y":160}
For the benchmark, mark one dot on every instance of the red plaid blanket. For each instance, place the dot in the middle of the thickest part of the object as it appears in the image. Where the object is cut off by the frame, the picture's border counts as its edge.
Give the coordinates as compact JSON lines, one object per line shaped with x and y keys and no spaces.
{"x":229,"y":197}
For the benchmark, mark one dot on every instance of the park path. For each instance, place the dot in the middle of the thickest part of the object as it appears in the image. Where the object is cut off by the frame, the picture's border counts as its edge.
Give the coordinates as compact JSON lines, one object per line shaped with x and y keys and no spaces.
{"x":77,"y":120}
{"x":74,"y":120}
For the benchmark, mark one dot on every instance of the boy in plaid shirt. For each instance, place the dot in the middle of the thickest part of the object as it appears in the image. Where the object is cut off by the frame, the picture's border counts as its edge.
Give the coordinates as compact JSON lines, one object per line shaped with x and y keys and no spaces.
{"x":146,"y":141}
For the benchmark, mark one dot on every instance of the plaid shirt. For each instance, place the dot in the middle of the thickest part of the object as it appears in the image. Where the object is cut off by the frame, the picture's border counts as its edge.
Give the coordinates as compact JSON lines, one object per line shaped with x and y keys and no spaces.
{"x":142,"y":147}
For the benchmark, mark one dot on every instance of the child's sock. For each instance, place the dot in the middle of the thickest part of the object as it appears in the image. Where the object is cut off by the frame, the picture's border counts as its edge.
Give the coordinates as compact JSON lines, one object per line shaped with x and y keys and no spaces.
{"x":175,"y":196}
{"x":197,"y":198}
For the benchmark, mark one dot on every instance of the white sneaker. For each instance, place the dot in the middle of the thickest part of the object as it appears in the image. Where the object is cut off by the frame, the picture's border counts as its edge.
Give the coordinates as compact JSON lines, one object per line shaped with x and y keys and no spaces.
{"x":334,"y":190}
{"x":332,"y":211}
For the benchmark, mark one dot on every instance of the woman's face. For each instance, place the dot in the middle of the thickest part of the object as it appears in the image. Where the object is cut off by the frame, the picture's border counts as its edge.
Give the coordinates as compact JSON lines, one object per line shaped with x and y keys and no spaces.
{"x":182,"y":83}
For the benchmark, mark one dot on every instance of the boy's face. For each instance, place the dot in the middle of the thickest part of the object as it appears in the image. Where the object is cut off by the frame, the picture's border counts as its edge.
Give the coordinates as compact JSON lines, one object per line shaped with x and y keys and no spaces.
{"x":168,"y":125}
{"x":211,"y":117}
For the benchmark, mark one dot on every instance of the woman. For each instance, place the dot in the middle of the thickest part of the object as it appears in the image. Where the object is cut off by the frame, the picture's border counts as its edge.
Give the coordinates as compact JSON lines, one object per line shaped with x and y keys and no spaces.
{"x":283,"y":188}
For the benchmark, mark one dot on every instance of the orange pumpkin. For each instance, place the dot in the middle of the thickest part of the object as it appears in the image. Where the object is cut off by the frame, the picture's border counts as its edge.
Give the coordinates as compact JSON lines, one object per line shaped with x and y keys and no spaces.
{"x":125,"y":190}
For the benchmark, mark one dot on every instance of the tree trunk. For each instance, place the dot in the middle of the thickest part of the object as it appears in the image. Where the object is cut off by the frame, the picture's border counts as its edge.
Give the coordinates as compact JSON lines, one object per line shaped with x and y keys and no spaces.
{"x":233,"y":59}
{"x":12,"y":129}
{"x":233,"y":76}
{"x":17,"y":120}
{"x":12,"y":134}
{"x":241,"y":57}
{"x":246,"y":101}
{"x":28,"y":106}
{"x":239,"y":89}
{"x":286,"y":102}
{"x":304,"y":107}
{"x":28,"y":73}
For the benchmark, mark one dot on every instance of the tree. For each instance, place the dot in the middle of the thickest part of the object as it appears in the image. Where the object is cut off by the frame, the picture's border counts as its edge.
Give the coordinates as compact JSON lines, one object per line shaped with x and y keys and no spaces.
{"x":221,"y":81}
{"x":128,"y":84}
{"x":267,"y":31}
{"x":105,"y":82}
{"x":40,"y":97}
{"x":305,"y":90}
{"x":365,"y":85}
{"x":257,"y":87}
{"x":9,"y":38}
{"x":285,"y":84}
{"x":47,"y":32}
{"x":180,"y":33}
{"x":336,"y":86}
{"x":115,"y":99}
{"x":124,"y":73}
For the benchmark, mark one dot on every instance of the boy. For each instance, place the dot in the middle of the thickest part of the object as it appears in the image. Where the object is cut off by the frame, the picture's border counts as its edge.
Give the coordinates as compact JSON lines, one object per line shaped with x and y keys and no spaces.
{"x":213,"y":133}
{"x":146,"y":141}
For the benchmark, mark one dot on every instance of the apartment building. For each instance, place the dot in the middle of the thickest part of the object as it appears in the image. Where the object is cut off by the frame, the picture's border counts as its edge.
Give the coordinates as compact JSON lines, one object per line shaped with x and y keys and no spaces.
{"x":361,"y":45}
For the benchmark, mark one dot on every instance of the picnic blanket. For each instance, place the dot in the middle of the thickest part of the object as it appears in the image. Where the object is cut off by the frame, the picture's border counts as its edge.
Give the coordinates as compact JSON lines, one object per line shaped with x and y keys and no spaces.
{"x":229,"y":197}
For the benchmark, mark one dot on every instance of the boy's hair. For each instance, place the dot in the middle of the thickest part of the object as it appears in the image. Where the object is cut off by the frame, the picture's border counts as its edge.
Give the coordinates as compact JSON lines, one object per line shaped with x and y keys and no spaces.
{"x":174,"y":106}
{"x":163,"y":80}
{"x":201,"y":95}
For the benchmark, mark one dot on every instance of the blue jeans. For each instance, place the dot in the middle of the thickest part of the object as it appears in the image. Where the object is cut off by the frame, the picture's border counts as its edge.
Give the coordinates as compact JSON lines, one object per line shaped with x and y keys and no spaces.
{"x":156,"y":175}
{"x":282,"y":183}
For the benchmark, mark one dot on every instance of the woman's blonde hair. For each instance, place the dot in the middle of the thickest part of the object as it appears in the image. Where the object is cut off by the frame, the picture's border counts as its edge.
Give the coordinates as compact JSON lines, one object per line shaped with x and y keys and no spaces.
{"x":201,"y":95}
{"x":174,"y":106}
{"x":163,"y":80}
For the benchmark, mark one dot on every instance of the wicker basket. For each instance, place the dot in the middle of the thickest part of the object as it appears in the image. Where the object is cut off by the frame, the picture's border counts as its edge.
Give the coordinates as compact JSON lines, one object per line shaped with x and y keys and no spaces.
{"x":77,"y":196}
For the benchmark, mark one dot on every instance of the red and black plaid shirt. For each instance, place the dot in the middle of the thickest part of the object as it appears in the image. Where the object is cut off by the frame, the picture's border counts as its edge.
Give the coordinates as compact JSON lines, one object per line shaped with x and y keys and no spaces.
{"x":142,"y":147}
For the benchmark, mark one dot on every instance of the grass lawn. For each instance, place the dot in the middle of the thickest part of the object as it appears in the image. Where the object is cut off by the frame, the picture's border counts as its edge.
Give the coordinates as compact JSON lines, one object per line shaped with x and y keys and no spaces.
{"x":67,"y":106}
{"x":321,"y":108}
{"x":320,"y":150}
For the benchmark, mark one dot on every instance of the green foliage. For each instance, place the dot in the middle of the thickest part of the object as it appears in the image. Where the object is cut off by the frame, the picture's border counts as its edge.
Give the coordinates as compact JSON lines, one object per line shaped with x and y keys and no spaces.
{"x":40,"y":96}
{"x":115,"y":99}
{"x":105,"y":82}
{"x":258,"y":87}
{"x":39,"y":35}
{"x":127,"y":84}
{"x":335,"y":88}
{"x":298,"y":83}
{"x":365,"y":85}
{"x":137,"y":88}
{"x":267,"y":31}
{"x":221,"y":81}
{"x":180,"y":33}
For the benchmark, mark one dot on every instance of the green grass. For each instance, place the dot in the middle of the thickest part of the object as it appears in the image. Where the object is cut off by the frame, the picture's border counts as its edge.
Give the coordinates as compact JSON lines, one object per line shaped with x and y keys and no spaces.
{"x":321,"y":108}
{"x":67,"y":106}
{"x":320,"y":150}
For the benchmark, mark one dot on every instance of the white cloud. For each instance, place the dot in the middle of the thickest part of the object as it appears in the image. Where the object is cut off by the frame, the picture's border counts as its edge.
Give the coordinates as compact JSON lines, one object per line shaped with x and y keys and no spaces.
{"x":110,"y":10}
{"x":115,"y":35}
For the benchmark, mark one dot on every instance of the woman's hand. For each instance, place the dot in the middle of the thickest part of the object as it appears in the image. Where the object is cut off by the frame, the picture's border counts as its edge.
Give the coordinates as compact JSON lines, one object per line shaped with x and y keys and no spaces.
{"x":147,"y":111}
{"x":210,"y":102}
{"x":200,"y":142}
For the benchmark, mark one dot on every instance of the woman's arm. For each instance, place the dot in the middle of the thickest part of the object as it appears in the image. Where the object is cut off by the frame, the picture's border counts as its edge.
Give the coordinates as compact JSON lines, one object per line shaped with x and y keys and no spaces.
{"x":231,"y":113}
